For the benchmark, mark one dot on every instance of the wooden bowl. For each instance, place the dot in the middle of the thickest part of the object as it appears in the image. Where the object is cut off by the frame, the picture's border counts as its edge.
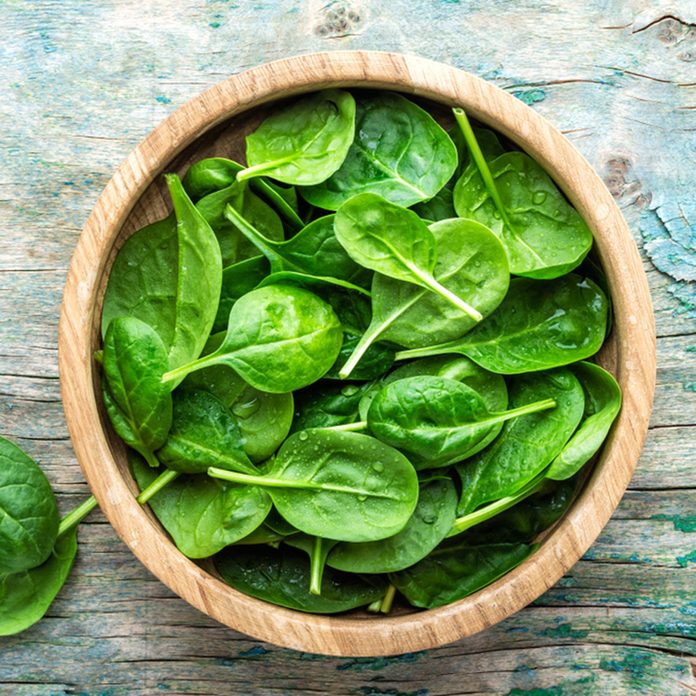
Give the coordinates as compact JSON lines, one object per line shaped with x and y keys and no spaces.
{"x":215,"y":123}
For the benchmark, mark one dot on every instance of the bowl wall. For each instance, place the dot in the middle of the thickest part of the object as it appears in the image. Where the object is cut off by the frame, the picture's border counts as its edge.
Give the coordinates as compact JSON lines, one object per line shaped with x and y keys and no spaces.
{"x":214,"y":124}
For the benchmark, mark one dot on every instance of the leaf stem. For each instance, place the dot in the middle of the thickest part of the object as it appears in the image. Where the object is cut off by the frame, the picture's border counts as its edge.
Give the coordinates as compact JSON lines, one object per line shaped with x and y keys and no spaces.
{"x":461,"y":524}
{"x":386,"y":604}
{"x":258,"y":169}
{"x":193,"y":366}
{"x":264,"y":245}
{"x":428,"y":351}
{"x":316,"y":567}
{"x":348,"y":427}
{"x":163,"y":480}
{"x":480,"y":160}
{"x":75,"y":516}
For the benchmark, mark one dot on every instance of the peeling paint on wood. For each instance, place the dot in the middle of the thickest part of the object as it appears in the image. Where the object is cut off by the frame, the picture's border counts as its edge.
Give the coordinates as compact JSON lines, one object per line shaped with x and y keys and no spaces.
{"x":83,"y":82}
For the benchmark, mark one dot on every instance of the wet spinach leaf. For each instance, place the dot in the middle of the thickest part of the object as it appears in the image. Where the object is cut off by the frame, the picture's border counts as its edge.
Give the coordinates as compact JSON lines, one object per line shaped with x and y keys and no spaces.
{"x":215,"y":173}
{"x":455,"y":570}
{"x":399,"y":152}
{"x":539,"y":325}
{"x":471,"y":262}
{"x":203,"y":434}
{"x":338,"y":485}
{"x":137,"y":403}
{"x":526,"y":445}
{"x":234,"y":246}
{"x":313,"y":251}
{"x":28,"y":512}
{"x":427,"y":527}
{"x":602,"y":405}
{"x":395,"y":242}
{"x":264,"y":419}
{"x":237,"y":280}
{"x":438,"y":421}
{"x":327,"y":404}
{"x":282,"y":576}
{"x":279,"y":339}
{"x":199,"y":278}
{"x":143,"y":280}
{"x":201,"y":514}
{"x":305,"y":142}
{"x":544,"y":235}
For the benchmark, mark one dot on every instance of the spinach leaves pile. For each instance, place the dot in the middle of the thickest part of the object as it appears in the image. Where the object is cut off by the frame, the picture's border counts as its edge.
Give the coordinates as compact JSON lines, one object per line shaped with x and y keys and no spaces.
{"x":326,"y":377}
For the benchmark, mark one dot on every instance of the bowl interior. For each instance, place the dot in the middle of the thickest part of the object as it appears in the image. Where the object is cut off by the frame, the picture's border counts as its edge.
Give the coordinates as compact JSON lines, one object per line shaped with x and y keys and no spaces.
{"x":202,"y":129}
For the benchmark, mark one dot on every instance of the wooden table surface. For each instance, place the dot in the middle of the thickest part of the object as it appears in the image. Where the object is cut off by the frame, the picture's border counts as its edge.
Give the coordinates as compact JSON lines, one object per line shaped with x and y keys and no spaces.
{"x":82,"y":81}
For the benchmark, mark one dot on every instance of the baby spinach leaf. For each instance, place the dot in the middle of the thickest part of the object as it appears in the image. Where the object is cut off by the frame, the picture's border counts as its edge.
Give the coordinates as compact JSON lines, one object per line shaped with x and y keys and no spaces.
{"x":137,"y":403}
{"x":317,"y":549}
{"x":264,"y":419}
{"x":304,"y":143}
{"x":313,"y":251}
{"x":544,"y":235}
{"x":376,"y":360}
{"x":279,"y":339}
{"x":143,"y":280}
{"x":438,"y":421}
{"x":394,"y":242}
{"x":602,"y":404}
{"x":203,"y":434}
{"x":455,"y":570}
{"x":215,"y":173}
{"x":199,"y":277}
{"x":234,"y":246}
{"x":282,"y":576}
{"x":439,"y":207}
{"x":327,"y":404}
{"x":26,"y":596}
{"x":28,"y":512}
{"x":526,"y":445}
{"x":201,"y":514}
{"x":263,"y":534}
{"x":399,"y":152}
{"x":528,"y":518}
{"x":471,"y":262}
{"x":427,"y":527}
{"x":339,"y":485}
{"x":538,"y":326}
{"x":237,"y":280}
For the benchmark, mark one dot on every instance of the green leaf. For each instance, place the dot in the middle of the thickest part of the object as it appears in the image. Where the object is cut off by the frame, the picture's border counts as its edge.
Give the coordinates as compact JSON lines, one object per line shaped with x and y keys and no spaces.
{"x":428,"y":526}
{"x":282,"y":576}
{"x":438,"y":421}
{"x":143,"y":280}
{"x":304,"y":143}
{"x":544,"y":235}
{"x":279,"y":339}
{"x":471,"y":263}
{"x":237,"y":280}
{"x":399,"y":152}
{"x":326,"y":404}
{"x":26,"y":596}
{"x":313,"y":254}
{"x":235,"y":247}
{"x":394,"y":242}
{"x":28,"y":511}
{"x":540,"y":325}
{"x":526,"y":445}
{"x":602,"y":405}
{"x":455,"y":570}
{"x":201,"y":514}
{"x":215,"y":173}
{"x":317,"y":549}
{"x":203,"y":434}
{"x":338,"y":485}
{"x":137,"y":403}
{"x":199,"y":278}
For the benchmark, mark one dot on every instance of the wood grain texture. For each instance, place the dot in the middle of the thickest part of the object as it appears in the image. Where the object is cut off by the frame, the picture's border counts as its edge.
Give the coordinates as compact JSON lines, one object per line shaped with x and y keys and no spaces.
{"x":616,"y":77}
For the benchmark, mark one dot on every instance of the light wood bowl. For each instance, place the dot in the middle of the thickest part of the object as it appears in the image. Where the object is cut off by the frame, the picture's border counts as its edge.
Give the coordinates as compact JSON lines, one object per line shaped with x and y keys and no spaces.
{"x":214,"y":123}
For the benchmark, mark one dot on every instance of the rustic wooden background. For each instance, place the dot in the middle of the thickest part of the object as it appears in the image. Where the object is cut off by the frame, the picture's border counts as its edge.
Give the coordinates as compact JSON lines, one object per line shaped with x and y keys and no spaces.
{"x":82,"y":81}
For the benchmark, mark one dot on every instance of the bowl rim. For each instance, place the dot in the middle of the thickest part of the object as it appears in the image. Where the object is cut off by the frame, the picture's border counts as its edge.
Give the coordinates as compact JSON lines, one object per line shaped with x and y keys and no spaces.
{"x":632,"y":355}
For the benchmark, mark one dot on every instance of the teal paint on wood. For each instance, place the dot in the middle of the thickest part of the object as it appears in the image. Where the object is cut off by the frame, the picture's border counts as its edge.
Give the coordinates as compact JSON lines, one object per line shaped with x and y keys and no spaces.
{"x":83,"y":81}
